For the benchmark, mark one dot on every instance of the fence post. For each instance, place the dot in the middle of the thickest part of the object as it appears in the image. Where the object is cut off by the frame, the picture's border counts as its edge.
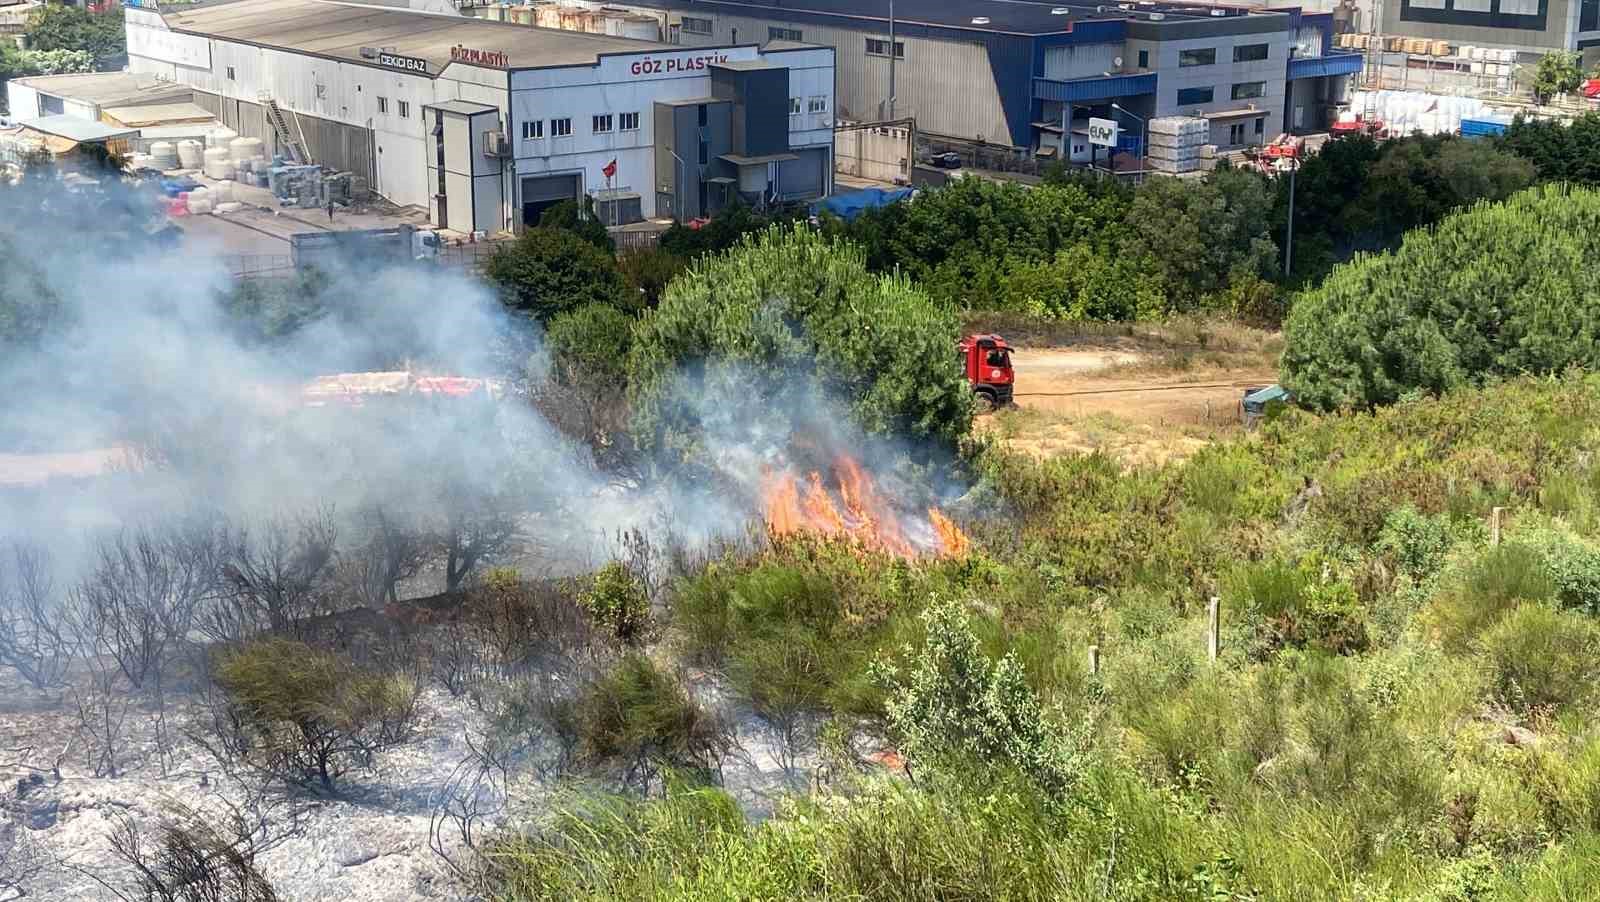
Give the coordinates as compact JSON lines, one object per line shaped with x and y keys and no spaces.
{"x":1094,"y":660}
{"x":1494,"y":525}
{"x":1213,"y":622}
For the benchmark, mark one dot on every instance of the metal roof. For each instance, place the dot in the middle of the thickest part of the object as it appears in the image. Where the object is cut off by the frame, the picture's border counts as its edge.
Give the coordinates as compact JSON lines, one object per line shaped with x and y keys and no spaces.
{"x":461,"y":107}
{"x":156,"y":114}
{"x":109,"y":88}
{"x":75,"y":129}
{"x":340,"y":31}
{"x":1030,"y":17}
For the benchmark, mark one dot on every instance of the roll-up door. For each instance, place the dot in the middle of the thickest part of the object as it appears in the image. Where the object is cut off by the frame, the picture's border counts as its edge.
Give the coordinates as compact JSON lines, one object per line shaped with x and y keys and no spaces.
{"x":539,"y":193}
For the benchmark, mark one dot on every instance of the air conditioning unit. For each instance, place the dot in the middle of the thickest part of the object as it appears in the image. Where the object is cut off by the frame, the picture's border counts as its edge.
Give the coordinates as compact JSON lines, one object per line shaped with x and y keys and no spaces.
{"x":495,"y":144}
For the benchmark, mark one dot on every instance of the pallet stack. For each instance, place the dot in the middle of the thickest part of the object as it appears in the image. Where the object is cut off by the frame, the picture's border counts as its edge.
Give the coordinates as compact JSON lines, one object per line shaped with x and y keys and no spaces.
{"x":1176,"y":142}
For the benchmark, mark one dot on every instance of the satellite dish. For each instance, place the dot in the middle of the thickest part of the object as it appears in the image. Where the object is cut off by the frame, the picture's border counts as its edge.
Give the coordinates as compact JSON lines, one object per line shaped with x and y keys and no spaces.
{"x":1116,"y":62}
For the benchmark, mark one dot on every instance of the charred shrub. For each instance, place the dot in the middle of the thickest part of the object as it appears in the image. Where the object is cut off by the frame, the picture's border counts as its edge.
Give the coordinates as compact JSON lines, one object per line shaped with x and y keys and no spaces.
{"x":519,"y":620}
{"x":306,"y":715}
{"x":190,"y":860}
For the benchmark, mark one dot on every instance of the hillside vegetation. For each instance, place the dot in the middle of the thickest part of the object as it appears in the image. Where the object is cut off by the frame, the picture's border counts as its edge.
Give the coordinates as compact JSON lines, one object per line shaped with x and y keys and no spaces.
{"x":1400,"y":709}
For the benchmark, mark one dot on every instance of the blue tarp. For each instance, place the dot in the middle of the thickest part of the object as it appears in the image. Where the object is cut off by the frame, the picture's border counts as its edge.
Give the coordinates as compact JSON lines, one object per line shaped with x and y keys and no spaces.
{"x":849,"y":206}
{"x":1257,"y":400}
{"x":1479,"y":126}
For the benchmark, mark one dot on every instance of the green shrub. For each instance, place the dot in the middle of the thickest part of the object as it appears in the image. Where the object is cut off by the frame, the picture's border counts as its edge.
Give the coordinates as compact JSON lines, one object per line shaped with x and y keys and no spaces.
{"x":649,"y":272}
{"x":1417,"y":543}
{"x":1296,"y":607}
{"x":1543,"y":658}
{"x":1474,"y":598}
{"x":639,"y":719}
{"x":546,"y":272}
{"x":306,"y":715}
{"x":588,"y":347}
{"x":1080,"y":283}
{"x":954,"y":707}
{"x":1572,"y":563}
{"x":1383,"y":326}
{"x":616,"y":601}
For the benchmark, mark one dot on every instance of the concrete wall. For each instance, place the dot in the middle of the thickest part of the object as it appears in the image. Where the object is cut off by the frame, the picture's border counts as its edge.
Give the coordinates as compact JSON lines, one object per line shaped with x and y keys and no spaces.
{"x":22,"y":101}
{"x":949,"y":86}
{"x":1085,"y":60}
{"x":1559,"y":31}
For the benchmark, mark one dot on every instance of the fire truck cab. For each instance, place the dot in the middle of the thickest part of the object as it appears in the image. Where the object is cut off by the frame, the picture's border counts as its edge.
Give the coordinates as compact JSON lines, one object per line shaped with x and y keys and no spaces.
{"x":987,"y":363}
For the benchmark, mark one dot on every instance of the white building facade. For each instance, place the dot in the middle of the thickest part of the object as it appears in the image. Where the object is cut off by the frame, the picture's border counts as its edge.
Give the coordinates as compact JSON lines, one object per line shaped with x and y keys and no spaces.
{"x":459,"y":116}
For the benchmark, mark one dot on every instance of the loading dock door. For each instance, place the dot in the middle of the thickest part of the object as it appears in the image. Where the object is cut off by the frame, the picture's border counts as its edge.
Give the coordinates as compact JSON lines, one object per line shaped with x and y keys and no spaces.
{"x":802,"y":179}
{"x":543,"y":192}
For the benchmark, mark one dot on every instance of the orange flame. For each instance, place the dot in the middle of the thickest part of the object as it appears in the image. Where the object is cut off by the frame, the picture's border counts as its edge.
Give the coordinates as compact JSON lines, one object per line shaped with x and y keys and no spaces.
{"x":861,"y":514}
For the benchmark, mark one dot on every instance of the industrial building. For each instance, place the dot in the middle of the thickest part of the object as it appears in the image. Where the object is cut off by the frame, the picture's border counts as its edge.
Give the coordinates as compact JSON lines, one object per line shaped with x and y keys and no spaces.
{"x":1025,"y":74}
{"x":486,"y":124}
{"x":1526,"y":26}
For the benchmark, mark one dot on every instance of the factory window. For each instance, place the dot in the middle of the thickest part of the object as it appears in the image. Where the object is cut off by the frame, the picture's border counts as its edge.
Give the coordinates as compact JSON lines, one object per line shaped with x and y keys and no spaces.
{"x":601,"y":124}
{"x":628,"y":122}
{"x":1144,"y":59}
{"x":880,"y":47}
{"x":783,"y":34}
{"x":383,"y":105}
{"x":1193,"y":96}
{"x":533,"y":130}
{"x":560,"y":128}
{"x":1246,"y":90}
{"x":696,"y":26}
{"x":405,"y":110}
{"x":817,"y":104}
{"x":1249,"y":53}
{"x":230,"y":74}
{"x":1589,"y":15}
{"x":1203,"y":56}
{"x":1236,"y":133}
{"x":1261,"y":126}
{"x":794,"y":106}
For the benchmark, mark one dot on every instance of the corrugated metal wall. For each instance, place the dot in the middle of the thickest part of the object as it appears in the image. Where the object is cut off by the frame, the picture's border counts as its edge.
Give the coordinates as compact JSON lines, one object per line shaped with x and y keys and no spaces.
{"x":332,"y":144}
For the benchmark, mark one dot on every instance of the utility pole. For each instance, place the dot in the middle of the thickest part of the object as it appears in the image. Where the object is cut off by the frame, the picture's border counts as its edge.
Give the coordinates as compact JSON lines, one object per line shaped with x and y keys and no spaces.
{"x":1288,"y":239}
{"x":891,"y":60}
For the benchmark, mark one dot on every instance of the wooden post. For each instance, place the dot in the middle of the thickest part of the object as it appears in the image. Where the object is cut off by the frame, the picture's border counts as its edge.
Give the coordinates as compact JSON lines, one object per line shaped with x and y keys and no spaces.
{"x":1494,"y":525}
{"x":1094,"y":660}
{"x":1213,"y":620}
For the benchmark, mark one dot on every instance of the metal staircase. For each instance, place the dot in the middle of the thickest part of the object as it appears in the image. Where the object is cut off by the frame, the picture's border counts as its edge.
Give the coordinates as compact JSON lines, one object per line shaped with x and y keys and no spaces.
{"x":294,"y":142}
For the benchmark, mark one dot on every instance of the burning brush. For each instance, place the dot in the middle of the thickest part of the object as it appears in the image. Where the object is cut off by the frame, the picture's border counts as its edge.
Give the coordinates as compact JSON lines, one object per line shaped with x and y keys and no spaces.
{"x":852,"y":507}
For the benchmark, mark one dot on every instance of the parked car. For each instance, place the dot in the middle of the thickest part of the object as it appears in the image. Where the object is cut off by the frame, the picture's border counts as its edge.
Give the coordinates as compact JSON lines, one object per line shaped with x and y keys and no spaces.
{"x":949,"y":160}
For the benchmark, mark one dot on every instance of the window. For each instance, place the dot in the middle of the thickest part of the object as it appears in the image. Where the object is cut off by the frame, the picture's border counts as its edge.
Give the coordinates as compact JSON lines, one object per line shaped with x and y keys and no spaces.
{"x":794,"y":106}
{"x":696,"y":26}
{"x":1195,"y":96}
{"x":880,"y":47}
{"x":1261,"y":126}
{"x":1236,"y":133}
{"x":1245,"y":90}
{"x":1144,"y":59}
{"x":601,"y":124}
{"x":818,"y":104}
{"x":1249,"y":53}
{"x":628,"y":122}
{"x":1204,"y":56}
{"x":405,"y":110}
{"x":783,"y":34}
{"x":560,"y":128}
{"x":1589,"y":15}
{"x":705,"y":153}
{"x":383,"y":105}
{"x":532,"y":130}
{"x":230,"y":74}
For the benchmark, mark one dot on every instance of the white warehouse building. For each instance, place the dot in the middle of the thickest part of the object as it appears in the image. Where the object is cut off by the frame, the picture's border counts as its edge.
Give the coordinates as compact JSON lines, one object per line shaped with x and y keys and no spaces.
{"x":487,"y":124}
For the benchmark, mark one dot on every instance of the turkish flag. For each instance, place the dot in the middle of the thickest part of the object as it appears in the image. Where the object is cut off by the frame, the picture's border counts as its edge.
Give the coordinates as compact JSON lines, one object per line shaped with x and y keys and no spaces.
{"x":611,"y":168}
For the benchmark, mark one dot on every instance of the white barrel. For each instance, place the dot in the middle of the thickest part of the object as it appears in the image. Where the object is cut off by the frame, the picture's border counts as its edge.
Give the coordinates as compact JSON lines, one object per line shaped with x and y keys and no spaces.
{"x":222,"y":192}
{"x":190,"y":155}
{"x":241,"y":149}
{"x":220,"y":137}
{"x":164,"y":155}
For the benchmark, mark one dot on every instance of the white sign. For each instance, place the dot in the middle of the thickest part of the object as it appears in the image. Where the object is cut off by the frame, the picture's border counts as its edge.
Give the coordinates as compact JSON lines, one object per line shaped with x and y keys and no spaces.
{"x":641,"y":66}
{"x":1103,"y":132}
{"x":168,"y":46}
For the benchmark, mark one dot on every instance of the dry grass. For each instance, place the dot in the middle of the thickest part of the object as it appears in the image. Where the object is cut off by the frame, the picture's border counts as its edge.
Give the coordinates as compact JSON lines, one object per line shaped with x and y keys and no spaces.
{"x":1045,"y":434}
{"x":1193,"y":347}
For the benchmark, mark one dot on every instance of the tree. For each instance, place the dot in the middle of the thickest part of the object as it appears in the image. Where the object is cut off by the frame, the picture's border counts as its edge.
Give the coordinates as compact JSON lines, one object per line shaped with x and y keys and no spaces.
{"x":59,"y":62}
{"x":1200,"y":235}
{"x":790,"y":314}
{"x":583,"y":391}
{"x":566,"y":215}
{"x":1497,"y":289}
{"x":648,"y":272}
{"x":1558,"y":72}
{"x":1560,"y":152}
{"x":60,"y":27}
{"x":33,"y":635}
{"x":549,"y":271}
{"x":1079,"y":284}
